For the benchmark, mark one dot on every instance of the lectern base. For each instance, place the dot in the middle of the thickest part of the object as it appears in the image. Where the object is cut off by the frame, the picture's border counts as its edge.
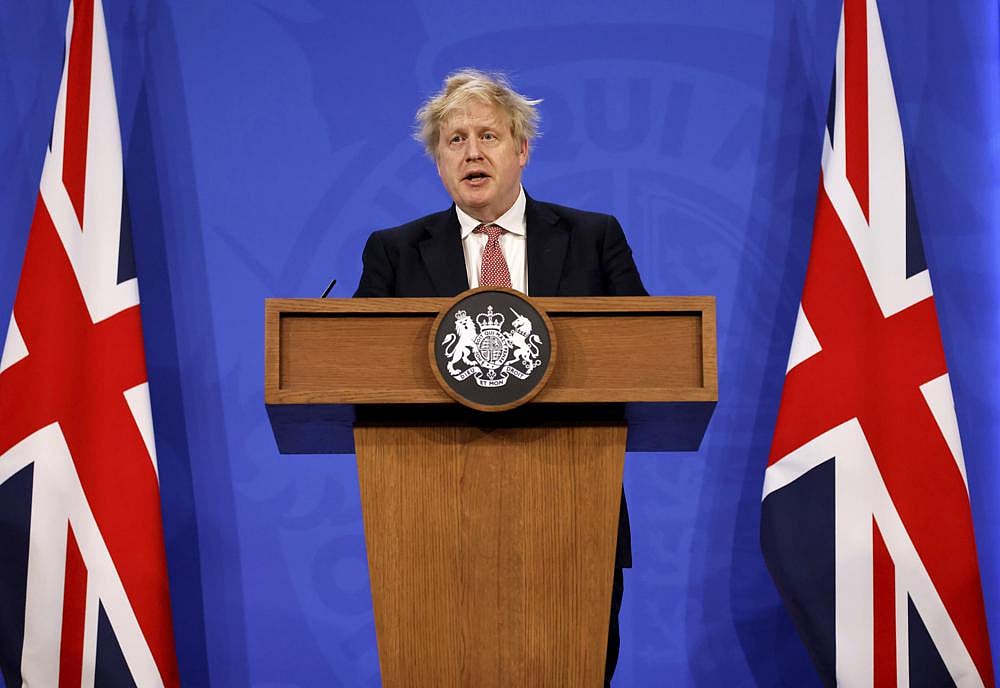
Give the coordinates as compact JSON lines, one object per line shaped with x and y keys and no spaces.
{"x":491,"y":551}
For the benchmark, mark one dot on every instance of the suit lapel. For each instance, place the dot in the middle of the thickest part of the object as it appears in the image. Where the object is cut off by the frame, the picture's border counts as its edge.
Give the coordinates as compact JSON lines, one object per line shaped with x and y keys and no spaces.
{"x":443,"y":255}
{"x":548,"y":239}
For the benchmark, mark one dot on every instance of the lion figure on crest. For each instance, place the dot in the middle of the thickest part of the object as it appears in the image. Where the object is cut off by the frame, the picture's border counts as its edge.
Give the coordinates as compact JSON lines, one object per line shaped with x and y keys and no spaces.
{"x":524,"y":343}
{"x":460,"y":343}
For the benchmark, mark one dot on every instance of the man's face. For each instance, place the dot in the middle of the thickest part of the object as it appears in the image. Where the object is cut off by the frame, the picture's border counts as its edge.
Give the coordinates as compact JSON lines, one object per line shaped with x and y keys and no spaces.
{"x":479,"y":162}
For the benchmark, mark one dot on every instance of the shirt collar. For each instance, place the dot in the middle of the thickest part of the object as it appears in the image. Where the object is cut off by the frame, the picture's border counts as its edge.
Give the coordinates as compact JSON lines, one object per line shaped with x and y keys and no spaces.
{"x":512,"y":221}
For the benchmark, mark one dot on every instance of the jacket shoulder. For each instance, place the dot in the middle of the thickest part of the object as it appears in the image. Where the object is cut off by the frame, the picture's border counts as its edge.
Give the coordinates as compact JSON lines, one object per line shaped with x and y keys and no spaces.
{"x":574,"y":217}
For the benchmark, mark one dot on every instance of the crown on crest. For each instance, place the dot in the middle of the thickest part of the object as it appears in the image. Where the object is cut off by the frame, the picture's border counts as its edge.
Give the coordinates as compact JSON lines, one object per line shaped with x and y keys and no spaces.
{"x":490,"y":320}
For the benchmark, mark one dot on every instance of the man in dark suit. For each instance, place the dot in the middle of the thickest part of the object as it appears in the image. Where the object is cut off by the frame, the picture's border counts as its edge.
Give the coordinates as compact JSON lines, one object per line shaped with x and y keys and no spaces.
{"x":478,"y":130}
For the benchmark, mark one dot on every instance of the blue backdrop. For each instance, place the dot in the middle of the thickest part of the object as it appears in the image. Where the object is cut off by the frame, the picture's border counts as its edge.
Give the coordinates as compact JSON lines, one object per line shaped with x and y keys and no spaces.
{"x":264,"y":139}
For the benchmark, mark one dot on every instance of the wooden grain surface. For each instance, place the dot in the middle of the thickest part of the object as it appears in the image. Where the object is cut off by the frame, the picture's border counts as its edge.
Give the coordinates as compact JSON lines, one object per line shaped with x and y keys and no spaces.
{"x":611,"y":349}
{"x":491,"y":552}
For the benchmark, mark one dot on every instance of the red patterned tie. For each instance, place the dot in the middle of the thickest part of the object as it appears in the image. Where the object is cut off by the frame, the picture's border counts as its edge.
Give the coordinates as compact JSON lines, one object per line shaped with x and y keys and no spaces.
{"x":494,"y":271}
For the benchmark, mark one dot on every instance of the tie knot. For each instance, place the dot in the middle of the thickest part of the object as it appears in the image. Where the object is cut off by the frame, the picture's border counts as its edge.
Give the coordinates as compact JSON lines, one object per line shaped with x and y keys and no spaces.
{"x":491,"y":231}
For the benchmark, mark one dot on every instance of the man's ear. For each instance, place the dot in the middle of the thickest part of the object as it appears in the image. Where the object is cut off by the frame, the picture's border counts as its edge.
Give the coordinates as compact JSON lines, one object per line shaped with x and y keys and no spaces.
{"x":522,"y":155}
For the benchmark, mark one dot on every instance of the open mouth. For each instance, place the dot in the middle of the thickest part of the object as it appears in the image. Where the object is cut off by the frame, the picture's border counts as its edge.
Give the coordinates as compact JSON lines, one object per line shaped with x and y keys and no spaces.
{"x":475,"y":177}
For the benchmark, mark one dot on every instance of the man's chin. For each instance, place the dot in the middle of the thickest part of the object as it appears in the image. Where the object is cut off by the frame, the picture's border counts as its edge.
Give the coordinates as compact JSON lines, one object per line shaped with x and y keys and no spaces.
{"x":473,"y":202}
{"x":476,"y":198}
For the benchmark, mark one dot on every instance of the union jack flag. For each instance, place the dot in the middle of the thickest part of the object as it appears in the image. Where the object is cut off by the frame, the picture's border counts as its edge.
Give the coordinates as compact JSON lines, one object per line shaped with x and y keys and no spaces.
{"x":83,"y":583}
{"x":866,"y":525}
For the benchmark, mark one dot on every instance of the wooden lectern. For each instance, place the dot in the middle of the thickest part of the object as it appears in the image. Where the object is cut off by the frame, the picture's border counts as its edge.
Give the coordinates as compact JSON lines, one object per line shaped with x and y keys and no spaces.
{"x":490,"y":537}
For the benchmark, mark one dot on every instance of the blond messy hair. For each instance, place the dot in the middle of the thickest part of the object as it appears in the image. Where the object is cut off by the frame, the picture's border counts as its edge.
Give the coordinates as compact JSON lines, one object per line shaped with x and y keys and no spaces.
{"x":490,"y":88}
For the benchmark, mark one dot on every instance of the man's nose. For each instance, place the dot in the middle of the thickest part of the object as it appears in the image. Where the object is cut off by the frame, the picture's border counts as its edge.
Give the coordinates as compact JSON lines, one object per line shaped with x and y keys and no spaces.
{"x":472,"y":151}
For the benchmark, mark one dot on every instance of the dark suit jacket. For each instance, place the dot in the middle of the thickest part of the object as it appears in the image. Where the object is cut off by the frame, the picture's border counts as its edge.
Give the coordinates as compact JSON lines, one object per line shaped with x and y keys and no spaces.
{"x":570,"y":253}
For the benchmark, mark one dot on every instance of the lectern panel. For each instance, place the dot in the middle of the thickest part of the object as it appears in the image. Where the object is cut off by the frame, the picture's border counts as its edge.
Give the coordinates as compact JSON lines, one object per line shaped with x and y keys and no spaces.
{"x":364,"y":357}
{"x":631,"y":354}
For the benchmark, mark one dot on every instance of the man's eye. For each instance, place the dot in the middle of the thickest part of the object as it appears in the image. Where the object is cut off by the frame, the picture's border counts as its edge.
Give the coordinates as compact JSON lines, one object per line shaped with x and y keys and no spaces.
{"x":489,"y":136}
{"x":455,"y":139}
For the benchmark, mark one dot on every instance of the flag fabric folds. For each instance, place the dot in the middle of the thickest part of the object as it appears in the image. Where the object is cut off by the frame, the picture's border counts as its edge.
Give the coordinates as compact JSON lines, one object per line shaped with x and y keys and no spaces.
{"x":83,"y":581}
{"x":866,"y":525}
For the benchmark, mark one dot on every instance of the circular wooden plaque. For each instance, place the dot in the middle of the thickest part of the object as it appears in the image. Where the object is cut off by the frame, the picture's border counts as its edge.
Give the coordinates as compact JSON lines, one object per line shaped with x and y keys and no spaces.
{"x":492,"y":349}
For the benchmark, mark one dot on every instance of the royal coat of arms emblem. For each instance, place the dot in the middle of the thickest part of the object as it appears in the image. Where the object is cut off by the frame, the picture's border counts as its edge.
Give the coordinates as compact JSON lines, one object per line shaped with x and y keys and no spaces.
{"x":492,"y":349}
{"x":480,"y":348}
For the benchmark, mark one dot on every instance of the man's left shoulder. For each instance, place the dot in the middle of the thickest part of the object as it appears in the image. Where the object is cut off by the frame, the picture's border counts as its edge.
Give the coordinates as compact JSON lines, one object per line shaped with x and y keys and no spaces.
{"x":597,"y":260}
{"x":580,"y":223}
{"x":575,"y":216}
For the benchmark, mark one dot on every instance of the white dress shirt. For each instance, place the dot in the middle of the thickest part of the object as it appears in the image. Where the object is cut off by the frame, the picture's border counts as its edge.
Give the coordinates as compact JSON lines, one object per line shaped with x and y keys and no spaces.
{"x":513,"y":243}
